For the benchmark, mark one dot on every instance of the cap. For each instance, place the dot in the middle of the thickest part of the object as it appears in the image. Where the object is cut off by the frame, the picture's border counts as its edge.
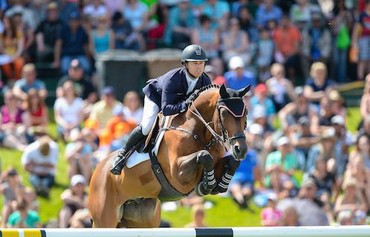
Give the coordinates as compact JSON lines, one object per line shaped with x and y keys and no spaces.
{"x":309,"y":182}
{"x":260,"y":88}
{"x":259,"y":112}
{"x":108,"y":90}
{"x":52,"y":6}
{"x":78,"y":179}
{"x":255,"y":129}
{"x":328,"y":133}
{"x":74,"y":15}
{"x":236,"y":62}
{"x":299,"y":90}
{"x":75,"y":63}
{"x":282,"y":141}
{"x":337,"y":119}
{"x":335,"y":96}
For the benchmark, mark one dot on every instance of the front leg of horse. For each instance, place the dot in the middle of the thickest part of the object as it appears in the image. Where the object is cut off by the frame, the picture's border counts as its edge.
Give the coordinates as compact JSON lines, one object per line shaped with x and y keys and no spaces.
{"x":230,"y":168}
{"x":208,"y":182}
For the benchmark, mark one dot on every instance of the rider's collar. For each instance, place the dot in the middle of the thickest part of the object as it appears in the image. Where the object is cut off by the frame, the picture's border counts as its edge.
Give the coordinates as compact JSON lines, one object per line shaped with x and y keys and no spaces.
{"x":234,"y":105}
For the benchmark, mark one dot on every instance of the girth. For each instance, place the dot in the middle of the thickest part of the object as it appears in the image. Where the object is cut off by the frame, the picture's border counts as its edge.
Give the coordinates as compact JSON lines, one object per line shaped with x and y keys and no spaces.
{"x":167,"y":193}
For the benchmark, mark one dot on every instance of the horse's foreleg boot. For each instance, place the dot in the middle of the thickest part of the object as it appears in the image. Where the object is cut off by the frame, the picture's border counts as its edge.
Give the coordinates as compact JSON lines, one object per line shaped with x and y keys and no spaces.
{"x":205,"y":159}
{"x":208,"y":182}
{"x":223,"y":184}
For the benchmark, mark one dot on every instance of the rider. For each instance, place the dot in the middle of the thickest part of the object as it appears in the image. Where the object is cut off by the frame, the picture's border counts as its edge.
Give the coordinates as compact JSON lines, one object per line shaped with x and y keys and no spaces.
{"x":167,"y":93}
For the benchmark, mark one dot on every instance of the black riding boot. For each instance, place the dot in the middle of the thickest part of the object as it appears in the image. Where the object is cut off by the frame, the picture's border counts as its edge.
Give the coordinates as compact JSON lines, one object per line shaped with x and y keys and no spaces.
{"x":120,"y":160}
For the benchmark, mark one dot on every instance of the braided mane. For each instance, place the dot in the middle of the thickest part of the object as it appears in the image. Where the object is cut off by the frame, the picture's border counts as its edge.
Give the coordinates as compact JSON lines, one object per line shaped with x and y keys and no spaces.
{"x":196,"y":93}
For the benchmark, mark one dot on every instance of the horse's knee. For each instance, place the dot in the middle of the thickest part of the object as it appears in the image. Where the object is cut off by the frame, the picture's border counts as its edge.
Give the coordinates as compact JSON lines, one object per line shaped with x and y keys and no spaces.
{"x":205,"y":159}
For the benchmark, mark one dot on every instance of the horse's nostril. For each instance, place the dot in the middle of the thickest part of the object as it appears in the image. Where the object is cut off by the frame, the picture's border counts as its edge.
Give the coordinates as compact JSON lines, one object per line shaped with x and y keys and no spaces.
{"x":237,"y":150}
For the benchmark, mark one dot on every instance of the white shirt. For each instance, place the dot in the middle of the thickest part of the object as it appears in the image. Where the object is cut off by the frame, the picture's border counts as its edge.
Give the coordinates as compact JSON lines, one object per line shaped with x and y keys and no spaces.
{"x":32,"y":154}
{"x":69,"y":112}
{"x":191,"y":83}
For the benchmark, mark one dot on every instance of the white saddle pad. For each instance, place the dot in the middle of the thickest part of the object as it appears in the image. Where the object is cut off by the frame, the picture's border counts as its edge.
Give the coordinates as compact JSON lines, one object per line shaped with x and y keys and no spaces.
{"x":136,"y":158}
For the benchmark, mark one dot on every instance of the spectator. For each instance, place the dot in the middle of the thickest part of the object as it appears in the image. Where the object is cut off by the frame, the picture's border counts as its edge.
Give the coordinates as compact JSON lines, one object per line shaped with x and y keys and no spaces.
{"x":198,"y":217}
{"x":361,"y":40}
{"x":79,"y":154}
{"x":66,"y":7}
{"x":317,"y":85}
{"x":302,"y":11}
{"x":235,"y":42}
{"x":132,"y":107}
{"x":265,"y":54}
{"x":72,"y":43}
{"x":24,"y":217}
{"x":40,"y":159}
{"x":261,"y":98}
{"x":238,"y":77}
{"x":124,"y":35}
{"x":13,"y":46}
{"x":102,"y":37}
{"x":218,"y":12}
{"x":36,"y":114}
{"x":212,"y":73}
{"x":81,"y":219}
{"x":337,"y":103}
{"x":46,"y":34}
{"x":345,"y":217}
{"x":280,"y":169}
{"x":248,"y":25}
{"x":68,"y":111}
{"x":181,"y":21}
{"x":270,"y":215}
{"x":102,"y":111}
{"x":12,"y":123}
{"x":74,"y":198}
{"x":280,"y":89}
{"x":114,"y":6}
{"x":287,"y":39}
{"x":29,"y":81}
{"x":30,"y":197}
{"x":94,"y":10}
{"x":365,"y":100}
{"x":12,"y":190}
{"x":266,"y":12}
{"x":290,"y":217}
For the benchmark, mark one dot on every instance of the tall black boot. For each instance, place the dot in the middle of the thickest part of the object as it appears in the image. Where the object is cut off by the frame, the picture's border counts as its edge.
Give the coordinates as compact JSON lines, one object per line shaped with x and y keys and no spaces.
{"x":135,"y":138}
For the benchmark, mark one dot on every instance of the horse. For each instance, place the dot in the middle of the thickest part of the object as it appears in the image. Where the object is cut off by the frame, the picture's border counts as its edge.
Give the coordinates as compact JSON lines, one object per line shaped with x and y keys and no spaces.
{"x":200,"y":152}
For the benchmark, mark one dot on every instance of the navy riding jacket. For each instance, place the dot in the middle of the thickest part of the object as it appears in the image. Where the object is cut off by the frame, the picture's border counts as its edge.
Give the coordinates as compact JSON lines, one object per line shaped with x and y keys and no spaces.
{"x":169,"y":90}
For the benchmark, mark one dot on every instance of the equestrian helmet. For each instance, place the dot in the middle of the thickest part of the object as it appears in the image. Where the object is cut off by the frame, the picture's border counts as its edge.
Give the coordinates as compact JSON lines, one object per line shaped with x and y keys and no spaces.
{"x":193,"y":52}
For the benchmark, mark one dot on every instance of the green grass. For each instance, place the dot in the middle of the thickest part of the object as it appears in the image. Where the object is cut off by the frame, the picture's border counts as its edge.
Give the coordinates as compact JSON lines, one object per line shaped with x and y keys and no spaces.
{"x":223,"y":213}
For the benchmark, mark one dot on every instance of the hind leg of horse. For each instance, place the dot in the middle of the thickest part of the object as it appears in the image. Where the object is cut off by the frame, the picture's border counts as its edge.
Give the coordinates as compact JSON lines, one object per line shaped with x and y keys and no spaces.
{"x":144,"y":214}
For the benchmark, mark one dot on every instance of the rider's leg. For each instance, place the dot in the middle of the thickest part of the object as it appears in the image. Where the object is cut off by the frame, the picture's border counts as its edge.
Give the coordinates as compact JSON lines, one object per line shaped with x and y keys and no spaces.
{"x":150,"y":112}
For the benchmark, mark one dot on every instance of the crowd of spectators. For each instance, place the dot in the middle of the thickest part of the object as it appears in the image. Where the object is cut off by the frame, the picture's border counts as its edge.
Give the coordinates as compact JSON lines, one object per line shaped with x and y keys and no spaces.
{"x":303,"y":165}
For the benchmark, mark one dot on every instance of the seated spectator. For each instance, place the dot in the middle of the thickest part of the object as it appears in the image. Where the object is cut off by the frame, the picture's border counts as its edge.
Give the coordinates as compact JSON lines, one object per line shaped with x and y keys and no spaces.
{"x":301,"y":12}
{"x":248,"y":24}
{"x":124,"y":35}
{"x":238,"y":77}
{"x":81,"y":219}
{"x":12,"y":123}
{"x":102,"y":111}
{"x":72,"y":43}
{"x":46,"y":34}
{"x":28,"y":82}
{"x":326,"y":113}
{"x":79,"y":154}
{"x":270,"y":215}
{"x":317,"y":85}
{"x":12,"y":190}
{"x":265,"y":54}
{"x":235,"y":42}
{"x":242,"y":184}
{"x":68,"y":111}
{"x":74,"y":198}
{"x":40,"y":159}
{"x":266,"y":12}
{"x":261,"y":98}
{"x":280,"y":169}
{"x":345,"y":218}
{"x":280,"y":88}
{"x":133,"y":108}
{"x":198,"y":217}
{"x":212,"y":73}
{"x":24,"y":217}
{"x":218,"y":11}
{"x":30,"y":197}
{"x":350,"y":200}
{"x":12,"y":46}
{"x":36,"y":114}
{"x":101,"y":38}
{"x":365,"y":100}
{"x":94,"y":10}
{"x":290,"y":217}
{"x":181,"y":21}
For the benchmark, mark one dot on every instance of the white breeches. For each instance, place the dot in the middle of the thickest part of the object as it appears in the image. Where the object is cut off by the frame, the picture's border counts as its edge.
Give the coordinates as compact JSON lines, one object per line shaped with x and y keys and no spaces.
{"x":150,"y":112}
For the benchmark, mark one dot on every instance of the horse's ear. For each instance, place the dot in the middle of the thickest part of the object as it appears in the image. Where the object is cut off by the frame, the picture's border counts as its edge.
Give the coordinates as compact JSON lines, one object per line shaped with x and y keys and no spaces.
{"x":223,"y":92}
{"x":244,"y":91}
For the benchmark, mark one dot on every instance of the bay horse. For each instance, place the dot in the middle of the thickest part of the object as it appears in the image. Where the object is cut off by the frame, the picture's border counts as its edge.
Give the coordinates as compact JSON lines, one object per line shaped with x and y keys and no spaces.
{"x":200,"y":152}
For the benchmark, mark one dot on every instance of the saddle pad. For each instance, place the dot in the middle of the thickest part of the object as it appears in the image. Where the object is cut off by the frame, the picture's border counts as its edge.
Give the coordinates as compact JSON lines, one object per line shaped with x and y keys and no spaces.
{"x":136,"y":158}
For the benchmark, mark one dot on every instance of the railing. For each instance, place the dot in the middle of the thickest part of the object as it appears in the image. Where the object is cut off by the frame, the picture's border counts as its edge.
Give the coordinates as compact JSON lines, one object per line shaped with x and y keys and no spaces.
{"x":347,"y":231}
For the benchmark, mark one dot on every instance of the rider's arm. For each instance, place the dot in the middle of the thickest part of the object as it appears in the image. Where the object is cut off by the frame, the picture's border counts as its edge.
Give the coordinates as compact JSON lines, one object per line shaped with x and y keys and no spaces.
{"x":173,"y":97}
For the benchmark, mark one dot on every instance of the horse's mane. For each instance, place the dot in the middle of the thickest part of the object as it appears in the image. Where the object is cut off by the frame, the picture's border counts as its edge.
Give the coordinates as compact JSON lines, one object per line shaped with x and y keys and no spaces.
{"x":196,"y":93}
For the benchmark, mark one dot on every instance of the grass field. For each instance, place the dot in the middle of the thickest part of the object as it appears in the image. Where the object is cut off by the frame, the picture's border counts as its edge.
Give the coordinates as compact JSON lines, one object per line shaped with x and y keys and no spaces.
{"x":223,"y":213}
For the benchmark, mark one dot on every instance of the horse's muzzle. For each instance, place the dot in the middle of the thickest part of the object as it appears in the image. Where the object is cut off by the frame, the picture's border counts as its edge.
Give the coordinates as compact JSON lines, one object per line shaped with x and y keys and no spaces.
{"x":239,"y":150}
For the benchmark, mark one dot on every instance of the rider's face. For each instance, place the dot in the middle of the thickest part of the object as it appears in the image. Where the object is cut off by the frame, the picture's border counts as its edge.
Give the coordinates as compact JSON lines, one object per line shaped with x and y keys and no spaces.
{"x":196,"y":68}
